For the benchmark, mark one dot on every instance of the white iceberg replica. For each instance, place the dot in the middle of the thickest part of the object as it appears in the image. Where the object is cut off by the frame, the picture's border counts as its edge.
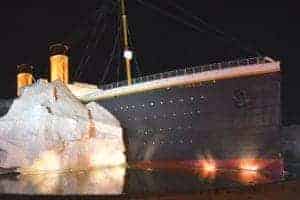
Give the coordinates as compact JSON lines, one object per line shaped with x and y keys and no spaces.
{"x":47,"y":128}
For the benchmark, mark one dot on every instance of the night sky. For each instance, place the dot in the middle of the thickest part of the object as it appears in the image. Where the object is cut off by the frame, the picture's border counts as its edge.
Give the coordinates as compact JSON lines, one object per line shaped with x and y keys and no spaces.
{"x":161,"y":43}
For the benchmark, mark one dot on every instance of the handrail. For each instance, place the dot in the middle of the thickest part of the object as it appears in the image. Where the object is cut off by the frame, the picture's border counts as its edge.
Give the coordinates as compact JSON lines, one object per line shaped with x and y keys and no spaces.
{"x":190,"y":70}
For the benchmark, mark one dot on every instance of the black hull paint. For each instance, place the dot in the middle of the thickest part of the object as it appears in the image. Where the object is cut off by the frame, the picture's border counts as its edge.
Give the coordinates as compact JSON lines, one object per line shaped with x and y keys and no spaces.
{"x":226,"y":119}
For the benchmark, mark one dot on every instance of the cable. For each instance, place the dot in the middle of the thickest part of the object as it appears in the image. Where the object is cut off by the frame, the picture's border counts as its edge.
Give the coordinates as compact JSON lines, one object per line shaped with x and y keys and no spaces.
{"x":78,"y":72}
{"x":132,"y":42}
{"x":106,"y":6}
{"x":188,"y":24}
{"x":119,"y":61}
{"x":116,"y":41}
{"x":103,"y":12}
{"x":108,"y":65}
{"x":170,"y":15}
{"x":101,"y":33}
{"x":203,"y":22}
{"x":197,"y":18}
{"x":69,"y":37}
{"x":88,"y":44}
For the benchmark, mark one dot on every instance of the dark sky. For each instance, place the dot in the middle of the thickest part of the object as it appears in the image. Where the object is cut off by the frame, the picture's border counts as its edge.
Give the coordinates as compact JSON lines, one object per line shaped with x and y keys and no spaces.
{"x":161,"y":43}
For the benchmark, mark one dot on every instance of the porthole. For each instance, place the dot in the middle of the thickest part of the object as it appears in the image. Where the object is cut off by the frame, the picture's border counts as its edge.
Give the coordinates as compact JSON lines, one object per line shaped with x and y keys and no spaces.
{"x":171,"y":101}
{"x":152,"y":103}
{"x":192,"y":98}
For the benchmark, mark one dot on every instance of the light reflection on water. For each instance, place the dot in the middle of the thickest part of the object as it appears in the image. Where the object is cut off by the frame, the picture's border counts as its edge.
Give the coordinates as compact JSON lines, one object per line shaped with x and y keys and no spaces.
{"x":119,"y":180}
{"x":106,"y":181}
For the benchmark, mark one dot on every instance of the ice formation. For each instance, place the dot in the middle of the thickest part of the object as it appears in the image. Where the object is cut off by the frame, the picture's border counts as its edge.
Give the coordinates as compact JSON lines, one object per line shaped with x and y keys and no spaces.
{"x":47,"y":128}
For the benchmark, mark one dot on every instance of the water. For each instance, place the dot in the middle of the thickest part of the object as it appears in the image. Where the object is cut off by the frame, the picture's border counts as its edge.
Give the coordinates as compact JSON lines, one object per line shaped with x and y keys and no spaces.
{"x":132,"y":181}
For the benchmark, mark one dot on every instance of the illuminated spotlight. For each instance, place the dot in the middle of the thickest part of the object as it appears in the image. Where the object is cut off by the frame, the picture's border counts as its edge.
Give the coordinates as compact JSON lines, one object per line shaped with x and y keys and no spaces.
{"x":208,"y":169}
{"x":128,"y":54}
{"x":95,"y":160}
{"x":249,"y":164}
{"x":209,"y":166}
{"x":100,"y":156}
{"x":47,"y":161}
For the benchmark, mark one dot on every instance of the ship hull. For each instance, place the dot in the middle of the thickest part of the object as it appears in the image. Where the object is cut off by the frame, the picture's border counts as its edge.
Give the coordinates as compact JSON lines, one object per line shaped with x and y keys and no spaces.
{"x":226,"y":119}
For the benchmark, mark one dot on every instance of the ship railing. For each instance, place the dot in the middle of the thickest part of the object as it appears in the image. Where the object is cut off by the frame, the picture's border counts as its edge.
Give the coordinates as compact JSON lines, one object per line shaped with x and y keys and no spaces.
{"x":190,"y":70}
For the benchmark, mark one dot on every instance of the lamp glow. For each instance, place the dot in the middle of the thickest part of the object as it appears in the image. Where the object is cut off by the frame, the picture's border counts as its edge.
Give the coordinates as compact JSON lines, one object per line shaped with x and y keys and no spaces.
{"x":128,"y":54}
{"x":249,"y":164}
{"x":209,"y":166}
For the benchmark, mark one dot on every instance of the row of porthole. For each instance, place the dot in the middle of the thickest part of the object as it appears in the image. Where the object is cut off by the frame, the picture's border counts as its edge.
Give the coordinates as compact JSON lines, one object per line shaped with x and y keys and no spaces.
{"x":164,"y":130}
{"x":162,"y":142}
{"x":153,"y":103}
{"x":164,"y":116}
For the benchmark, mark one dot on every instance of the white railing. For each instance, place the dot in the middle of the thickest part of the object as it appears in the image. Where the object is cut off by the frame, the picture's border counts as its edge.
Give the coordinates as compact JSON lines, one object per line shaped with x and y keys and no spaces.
{"x":191,"y":70}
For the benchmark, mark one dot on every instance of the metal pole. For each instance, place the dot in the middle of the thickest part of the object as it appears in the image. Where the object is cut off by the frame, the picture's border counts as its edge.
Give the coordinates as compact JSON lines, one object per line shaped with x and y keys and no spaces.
{"x":126,"y":45}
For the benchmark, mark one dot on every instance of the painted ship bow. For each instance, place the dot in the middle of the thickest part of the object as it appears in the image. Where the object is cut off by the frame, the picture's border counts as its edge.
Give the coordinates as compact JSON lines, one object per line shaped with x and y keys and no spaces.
{"x":227,"y":111}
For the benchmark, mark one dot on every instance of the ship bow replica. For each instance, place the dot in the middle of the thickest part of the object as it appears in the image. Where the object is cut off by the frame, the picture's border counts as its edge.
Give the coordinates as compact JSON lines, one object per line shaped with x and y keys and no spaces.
{"x":226,"y":112}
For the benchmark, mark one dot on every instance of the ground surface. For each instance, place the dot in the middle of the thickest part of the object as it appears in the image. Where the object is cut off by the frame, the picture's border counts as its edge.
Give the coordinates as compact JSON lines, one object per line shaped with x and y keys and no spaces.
{"x":274,"y":191}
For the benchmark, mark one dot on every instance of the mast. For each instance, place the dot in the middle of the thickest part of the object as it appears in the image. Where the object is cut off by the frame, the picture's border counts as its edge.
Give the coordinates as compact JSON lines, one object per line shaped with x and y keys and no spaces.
{"x":127,"y":52}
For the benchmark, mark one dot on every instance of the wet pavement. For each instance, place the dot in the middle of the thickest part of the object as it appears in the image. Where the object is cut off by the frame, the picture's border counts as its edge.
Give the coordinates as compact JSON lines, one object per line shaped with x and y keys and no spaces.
{"x":122,"y":181}
{"x":150,"y":183}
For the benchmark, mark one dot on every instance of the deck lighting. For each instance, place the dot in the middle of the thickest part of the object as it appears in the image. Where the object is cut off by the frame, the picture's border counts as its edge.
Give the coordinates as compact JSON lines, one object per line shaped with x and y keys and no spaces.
{"x":128,"y":55}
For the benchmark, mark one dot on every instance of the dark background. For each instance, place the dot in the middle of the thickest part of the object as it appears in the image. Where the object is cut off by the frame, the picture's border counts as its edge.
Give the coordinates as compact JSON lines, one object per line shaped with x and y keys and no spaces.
{"x":161,"y":43}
